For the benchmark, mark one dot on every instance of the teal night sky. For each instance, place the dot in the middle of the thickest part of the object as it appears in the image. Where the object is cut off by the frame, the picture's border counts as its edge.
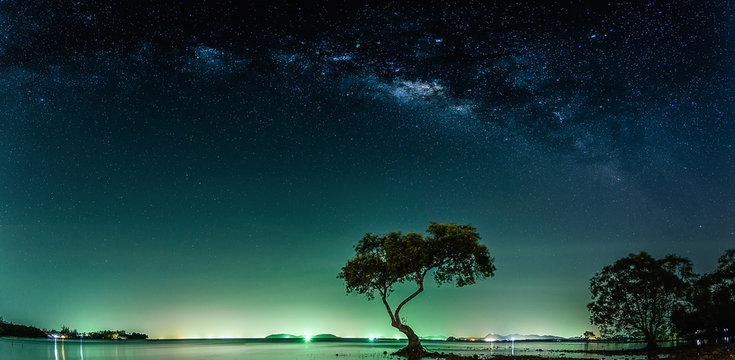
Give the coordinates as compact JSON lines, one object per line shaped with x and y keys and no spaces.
{"x":204,"y":171}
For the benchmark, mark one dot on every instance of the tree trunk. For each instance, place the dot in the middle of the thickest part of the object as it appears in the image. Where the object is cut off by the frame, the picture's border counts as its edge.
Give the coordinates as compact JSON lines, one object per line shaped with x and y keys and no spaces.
{"x":651,"y":340}
{"x":413,"y":350}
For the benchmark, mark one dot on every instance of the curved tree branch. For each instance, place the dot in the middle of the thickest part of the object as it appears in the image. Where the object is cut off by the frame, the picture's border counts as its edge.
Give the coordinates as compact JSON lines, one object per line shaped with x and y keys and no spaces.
{"x":420,"y":282}
{"x":383,"y":296}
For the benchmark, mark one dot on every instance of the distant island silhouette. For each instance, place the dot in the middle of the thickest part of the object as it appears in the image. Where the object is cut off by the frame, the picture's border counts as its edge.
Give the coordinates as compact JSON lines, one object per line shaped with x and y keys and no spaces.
{"x":18,"y":330}
{"x":303,"y":337}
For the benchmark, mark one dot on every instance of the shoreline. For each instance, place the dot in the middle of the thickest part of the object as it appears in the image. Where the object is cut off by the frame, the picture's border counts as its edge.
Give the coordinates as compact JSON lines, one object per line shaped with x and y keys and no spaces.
{"x":680,"y":352}
{"x":689,"y":352}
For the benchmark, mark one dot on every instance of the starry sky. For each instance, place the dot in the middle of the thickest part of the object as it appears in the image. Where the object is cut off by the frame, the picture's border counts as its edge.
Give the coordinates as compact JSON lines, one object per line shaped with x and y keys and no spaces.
{"x":204,"y":169}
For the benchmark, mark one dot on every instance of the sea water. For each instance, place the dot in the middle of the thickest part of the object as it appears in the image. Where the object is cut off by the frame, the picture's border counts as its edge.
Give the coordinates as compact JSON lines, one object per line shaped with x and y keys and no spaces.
{"x":259,"y":349}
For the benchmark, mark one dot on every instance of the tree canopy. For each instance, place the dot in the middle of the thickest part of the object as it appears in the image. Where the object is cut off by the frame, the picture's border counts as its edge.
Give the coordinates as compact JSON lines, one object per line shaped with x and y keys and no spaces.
{"x":710,"y":312}
{"x":452,"y":252}
{"x":637,"y":295}
{"x":722,"y":282}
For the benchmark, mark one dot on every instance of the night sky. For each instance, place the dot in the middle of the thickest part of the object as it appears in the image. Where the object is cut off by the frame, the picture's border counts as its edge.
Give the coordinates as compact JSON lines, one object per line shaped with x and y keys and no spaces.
{"x":203,"y":170}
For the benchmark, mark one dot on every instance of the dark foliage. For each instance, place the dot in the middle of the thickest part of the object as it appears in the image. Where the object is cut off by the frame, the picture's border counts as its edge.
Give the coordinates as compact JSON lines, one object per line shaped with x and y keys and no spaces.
{"x":115,"y":334}
{"x":10,"y":329}
{"x":637,"y":295}
{"x":710,"y":313}
{"x":451,"y":251}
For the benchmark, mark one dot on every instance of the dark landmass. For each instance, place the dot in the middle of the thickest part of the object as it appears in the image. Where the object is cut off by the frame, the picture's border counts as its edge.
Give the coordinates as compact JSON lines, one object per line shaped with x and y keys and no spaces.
{"x":302,"y":337}
{"x":537,"y":338}
{"x":114,"y":335}
{"x":519,"y":337}
{"x":534,"y":337}
{"x":26,"y":331}
{"x":432,"y":338}
{"x":283,"y":336}
{"x":17,"y":330}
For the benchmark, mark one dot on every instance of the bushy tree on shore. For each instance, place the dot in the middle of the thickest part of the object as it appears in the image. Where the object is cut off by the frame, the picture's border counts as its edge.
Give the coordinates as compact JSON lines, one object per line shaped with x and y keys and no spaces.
{"x":723,"y":291}
{"x":710,"y":312}
{"x":638,"y":294}
{"x":381,"y":262}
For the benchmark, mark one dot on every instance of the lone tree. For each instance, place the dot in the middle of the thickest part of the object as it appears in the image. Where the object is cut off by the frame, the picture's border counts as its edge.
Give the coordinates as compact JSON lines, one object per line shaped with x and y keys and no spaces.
{"x":637,"y":294}
{"x":451,"y":251}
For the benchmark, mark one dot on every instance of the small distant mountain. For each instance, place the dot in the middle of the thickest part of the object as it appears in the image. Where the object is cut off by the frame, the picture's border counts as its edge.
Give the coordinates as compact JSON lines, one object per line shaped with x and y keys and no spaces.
{"x":304,"y":337}
{"x":496,"y":337}
{"x":433,"y":337}
{"x":283,"y":336}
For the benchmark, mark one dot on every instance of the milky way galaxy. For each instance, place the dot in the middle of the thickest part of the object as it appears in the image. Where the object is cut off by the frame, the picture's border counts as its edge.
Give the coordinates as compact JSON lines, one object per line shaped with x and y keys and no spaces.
{"x":203,"y":170}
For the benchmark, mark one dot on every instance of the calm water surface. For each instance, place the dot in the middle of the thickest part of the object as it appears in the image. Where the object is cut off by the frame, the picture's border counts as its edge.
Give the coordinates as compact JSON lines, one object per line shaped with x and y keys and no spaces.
{"x":245,"y":349}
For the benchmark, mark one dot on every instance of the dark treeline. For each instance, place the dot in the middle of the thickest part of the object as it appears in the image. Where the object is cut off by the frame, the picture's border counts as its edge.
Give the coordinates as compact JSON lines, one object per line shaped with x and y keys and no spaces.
{"x":11,"y":329}
{"x":98,"y":335}
{"x":640,"y":296}
{"x":117,"y":334}
{"x":710,"y":311}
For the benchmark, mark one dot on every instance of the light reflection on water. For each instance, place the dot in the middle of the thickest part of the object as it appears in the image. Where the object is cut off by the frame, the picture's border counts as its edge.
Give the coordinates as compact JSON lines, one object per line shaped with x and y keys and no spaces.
{"x":226,"y":349}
